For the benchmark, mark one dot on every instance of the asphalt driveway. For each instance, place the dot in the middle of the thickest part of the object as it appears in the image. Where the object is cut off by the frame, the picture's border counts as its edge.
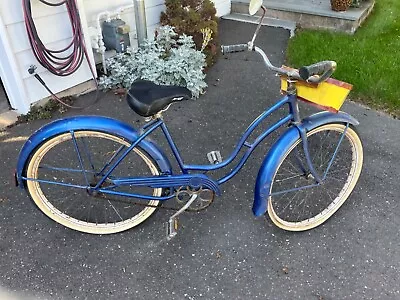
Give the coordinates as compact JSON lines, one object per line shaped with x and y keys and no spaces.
{"x":223,"y":252}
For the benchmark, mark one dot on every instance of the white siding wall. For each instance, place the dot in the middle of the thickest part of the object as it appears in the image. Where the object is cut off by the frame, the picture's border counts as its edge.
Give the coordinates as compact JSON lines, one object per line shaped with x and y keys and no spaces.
{"x":53,"y":27}
{"x":52,"y":24}
{"x":153,"y":11}
{"x":223,"y":7}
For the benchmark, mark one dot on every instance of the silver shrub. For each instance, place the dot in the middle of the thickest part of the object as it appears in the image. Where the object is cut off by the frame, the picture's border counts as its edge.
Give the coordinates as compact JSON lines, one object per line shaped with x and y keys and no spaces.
{"x":167,"y":59}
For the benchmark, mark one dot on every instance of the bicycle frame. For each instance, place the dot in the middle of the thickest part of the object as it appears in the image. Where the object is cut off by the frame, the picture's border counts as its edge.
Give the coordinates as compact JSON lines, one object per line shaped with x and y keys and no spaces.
{"x":170,"y":180}
{"x":179,"y":180}
{"x":293,"y":116}
{"x":289,"y":152}
{"x":167,"y":179}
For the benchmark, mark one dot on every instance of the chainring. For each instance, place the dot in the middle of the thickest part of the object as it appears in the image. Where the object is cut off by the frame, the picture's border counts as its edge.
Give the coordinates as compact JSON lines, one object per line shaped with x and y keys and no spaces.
{"x":204,"y":198}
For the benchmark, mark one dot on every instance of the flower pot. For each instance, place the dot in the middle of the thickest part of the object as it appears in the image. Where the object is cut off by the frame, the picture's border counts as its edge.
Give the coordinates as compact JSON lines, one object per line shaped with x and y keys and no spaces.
{"x":340,"y":5}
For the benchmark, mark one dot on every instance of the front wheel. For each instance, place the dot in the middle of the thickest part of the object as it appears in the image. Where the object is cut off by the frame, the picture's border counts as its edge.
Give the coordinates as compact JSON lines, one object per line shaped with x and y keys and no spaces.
{"x":61,"y":171}
{"x":297,"y":201}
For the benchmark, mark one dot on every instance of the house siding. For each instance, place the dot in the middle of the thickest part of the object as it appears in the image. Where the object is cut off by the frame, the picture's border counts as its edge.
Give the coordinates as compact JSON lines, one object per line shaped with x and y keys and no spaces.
{"x":223,"y":7}
{"x":51,"y":25}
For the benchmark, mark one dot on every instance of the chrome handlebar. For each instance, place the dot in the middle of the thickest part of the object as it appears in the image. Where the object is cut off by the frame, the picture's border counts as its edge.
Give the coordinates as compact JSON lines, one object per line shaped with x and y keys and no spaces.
{"x":315,"y":73}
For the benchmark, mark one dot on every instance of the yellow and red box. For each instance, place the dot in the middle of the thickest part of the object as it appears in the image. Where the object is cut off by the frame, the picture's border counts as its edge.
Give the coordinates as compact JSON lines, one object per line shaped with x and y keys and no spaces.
{"x":329,"y":95}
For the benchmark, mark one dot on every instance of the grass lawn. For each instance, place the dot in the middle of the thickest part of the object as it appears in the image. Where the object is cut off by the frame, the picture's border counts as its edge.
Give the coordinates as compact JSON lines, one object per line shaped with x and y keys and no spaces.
{"x":370,"y":59}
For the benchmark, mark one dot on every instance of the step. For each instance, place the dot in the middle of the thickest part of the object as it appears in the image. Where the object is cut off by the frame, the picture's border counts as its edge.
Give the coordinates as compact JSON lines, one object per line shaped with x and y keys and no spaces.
{"x":8,"y":118}
{"x":289,"y":25}
{"x":314,"y":14}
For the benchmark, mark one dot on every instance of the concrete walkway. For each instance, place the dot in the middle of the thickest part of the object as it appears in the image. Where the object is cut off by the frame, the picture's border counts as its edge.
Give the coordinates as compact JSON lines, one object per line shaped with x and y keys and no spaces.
{"x":314,"y":14}
{"x":3,"y":101}
{"x":223,"y":252}
{"x":7,"y":116}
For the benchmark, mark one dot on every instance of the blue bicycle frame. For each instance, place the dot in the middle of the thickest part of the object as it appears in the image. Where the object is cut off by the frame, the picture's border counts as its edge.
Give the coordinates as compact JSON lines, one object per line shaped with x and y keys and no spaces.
{"x":167,"y":179}
{"x":182,"y":180}
{"x":190,"y":180}
{"x":292,"y":116}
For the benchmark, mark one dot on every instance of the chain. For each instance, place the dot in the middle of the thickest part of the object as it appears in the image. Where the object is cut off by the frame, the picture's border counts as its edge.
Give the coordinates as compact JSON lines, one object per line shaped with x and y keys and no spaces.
{"x":155,"y":206}
{"x":139,"y":203}
{"x":149,"y":205}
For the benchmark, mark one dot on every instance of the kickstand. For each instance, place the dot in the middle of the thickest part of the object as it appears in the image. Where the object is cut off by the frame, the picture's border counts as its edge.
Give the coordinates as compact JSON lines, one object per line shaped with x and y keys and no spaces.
{"x":172,"y":224}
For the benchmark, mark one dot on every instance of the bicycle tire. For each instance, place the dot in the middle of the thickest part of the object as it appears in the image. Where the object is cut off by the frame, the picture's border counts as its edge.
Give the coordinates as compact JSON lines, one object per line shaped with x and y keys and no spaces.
{"x":341,"y":178}
{"x":72,"y":213}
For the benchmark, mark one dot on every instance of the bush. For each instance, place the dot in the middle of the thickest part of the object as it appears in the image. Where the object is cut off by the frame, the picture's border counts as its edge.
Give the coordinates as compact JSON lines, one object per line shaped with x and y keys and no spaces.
{"x":168,"y":59}
{"x":191,"y":17}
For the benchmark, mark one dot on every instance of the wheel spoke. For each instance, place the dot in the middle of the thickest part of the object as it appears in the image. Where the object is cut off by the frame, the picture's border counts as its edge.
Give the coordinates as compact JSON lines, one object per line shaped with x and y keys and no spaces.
{"x":85,"y":147}
{"x":113,"y":207}
{"x":304,"y":206}
{"x":79,"y":157}
{"x":289,"y":178}
{"x":290,"y":202}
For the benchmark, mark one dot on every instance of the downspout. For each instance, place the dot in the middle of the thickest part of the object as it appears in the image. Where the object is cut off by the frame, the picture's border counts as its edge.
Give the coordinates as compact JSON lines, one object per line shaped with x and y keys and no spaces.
{"x":140,"y":19}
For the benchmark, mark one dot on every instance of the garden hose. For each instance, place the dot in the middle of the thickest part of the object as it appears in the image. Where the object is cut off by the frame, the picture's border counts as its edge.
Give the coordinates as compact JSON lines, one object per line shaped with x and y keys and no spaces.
{"x":60,"y":62}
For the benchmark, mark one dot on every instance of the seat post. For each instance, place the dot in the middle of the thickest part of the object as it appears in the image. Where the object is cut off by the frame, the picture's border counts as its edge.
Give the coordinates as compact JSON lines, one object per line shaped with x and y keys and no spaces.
{"x":158,"y":116}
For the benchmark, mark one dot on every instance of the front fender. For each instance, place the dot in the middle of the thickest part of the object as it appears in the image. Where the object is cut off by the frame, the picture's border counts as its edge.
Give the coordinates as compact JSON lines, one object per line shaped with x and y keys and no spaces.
{"x":281,"y":146}
{"x":103,"y":124}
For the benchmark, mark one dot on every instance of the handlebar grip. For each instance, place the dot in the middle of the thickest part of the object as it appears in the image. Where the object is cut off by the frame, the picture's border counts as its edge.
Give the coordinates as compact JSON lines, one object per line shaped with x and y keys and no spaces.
{"x":322,"y":69}
{"x":234,"y":48}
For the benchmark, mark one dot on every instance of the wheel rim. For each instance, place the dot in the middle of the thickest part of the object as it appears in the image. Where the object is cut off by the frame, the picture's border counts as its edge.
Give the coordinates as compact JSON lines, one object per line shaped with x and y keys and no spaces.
{"x":289,"y":202}
{"x":122,"y":209}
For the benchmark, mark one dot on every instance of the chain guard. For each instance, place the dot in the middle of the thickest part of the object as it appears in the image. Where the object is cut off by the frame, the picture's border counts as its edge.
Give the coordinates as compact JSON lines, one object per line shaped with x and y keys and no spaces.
{"x":204,"y":199}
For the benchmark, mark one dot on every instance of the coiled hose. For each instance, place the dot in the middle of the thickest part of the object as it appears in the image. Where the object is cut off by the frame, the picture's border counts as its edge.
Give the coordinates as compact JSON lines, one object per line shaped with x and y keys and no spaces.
{"x":60,"y":62}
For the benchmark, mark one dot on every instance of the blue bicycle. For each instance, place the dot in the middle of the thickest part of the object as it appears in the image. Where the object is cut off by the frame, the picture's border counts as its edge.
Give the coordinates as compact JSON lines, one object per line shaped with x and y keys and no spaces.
{"x":98,"y":175}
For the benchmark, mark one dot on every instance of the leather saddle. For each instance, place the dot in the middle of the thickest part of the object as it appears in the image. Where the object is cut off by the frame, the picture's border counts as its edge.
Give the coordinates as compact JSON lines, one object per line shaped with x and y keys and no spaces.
{"x":147,"y":98}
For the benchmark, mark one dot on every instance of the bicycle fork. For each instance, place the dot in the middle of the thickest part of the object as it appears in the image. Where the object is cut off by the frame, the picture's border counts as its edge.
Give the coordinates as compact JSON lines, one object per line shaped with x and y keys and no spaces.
{"x":316,"y":176}
{"x":313,"y":172}
{"x":172,"y":224}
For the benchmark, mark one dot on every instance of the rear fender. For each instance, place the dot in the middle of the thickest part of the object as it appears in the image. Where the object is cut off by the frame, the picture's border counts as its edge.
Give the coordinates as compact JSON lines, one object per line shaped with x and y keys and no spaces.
{"x":281,"y":146}
{"x":103,"y":124}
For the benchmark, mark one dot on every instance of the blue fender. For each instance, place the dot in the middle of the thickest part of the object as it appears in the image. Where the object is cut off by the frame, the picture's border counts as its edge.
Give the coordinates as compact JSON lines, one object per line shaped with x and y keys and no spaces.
{"x":281,"y":146}
{"x":103,"y":124}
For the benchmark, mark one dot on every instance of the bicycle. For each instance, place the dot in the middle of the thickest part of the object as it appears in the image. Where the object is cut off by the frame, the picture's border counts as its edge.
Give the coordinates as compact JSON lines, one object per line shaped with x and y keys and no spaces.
{"x":118,"y":177}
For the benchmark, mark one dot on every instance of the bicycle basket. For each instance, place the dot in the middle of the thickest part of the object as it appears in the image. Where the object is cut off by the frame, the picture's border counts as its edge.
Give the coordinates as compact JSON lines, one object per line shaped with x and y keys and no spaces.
{"x":328,"y":95}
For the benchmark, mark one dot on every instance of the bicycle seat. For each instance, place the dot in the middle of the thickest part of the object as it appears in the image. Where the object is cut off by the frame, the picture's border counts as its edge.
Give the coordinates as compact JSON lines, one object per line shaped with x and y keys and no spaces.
{"x":147,"y":98}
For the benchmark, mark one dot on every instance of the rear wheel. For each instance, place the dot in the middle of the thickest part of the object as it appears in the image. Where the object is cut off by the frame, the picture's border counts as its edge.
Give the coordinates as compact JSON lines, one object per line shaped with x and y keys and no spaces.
{"x":60,"y":188}
{"x":297,"y":202}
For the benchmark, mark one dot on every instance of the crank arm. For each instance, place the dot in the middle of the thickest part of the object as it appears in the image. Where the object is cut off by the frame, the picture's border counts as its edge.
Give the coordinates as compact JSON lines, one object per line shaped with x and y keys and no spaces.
{"x":172,"y":224}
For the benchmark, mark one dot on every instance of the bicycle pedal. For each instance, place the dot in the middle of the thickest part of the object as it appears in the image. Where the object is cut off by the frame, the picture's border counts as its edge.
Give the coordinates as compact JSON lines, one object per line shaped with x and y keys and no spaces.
{"x":172,"y":227}
{"x":214,"y":157}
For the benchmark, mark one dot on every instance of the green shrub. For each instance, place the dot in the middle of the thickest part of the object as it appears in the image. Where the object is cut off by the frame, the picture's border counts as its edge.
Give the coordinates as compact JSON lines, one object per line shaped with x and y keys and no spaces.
{"x":168,"y":59}
{"x":191,"y":17}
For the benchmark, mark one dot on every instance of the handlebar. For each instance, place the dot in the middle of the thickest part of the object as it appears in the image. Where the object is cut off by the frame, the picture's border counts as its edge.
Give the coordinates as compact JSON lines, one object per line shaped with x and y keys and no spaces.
{"x":323,"y":70}
{"x":315,"y":73}
{"x":234,"y":48}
